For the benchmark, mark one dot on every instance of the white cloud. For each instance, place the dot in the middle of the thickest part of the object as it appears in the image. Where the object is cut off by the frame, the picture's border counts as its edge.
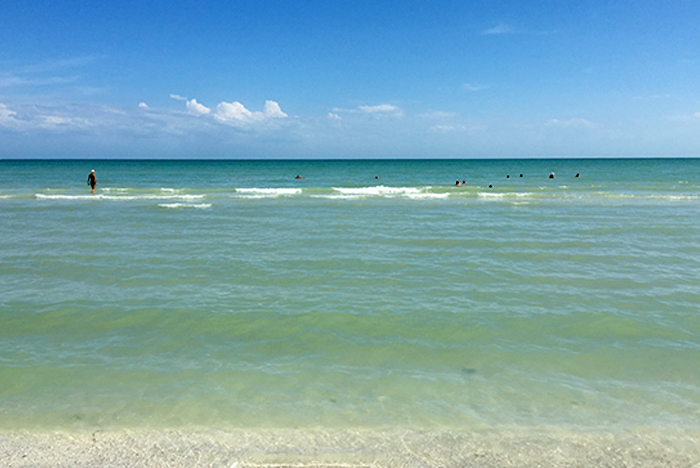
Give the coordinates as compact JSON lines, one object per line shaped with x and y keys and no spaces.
{"x":334,"y":116}
{"x":573,"y":123}
{"x":9,"y":81}
{"x":441,"y":129}
{"x":143,"y":105}
{"x":42,"y":117}
{"x":272,"y":110}
{"x":48,"y":73}
{"x":235,"y":112}
{"x":177,"y":97}
{"x":501,"y":28}
{"x":445,"y":129}
{"x":61,"y":122}
{"x":684,"y":117}
{"x":380,"y":109}
{"x":6,"y":114}
{"x":230,"y":111}
{"x":472,"y":87}
{"x":53,"y":120}
{"x":53,"y":64}
{"x":196,"y":108}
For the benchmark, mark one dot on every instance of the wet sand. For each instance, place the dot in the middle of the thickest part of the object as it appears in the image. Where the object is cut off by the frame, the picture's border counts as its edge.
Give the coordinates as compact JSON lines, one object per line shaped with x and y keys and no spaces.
{"x":349,"y":448}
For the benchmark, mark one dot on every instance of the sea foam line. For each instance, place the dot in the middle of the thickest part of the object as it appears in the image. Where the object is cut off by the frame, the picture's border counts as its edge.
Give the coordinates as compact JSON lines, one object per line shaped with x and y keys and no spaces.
{"x":382,"y":191}
{"x":41,"y":196}
{"x":114,"y":189}
{"x":379,"y":190}
{"x":268,"y":192}
{"x":199,"y":206}
{"x":505,"y":195}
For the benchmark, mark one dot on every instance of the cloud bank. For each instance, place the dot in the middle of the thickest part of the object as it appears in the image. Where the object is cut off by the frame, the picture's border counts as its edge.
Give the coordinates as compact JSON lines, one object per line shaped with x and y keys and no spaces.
{"x":196,"y":108}
{"x":233,"y":113}
{"x":236,"y":113}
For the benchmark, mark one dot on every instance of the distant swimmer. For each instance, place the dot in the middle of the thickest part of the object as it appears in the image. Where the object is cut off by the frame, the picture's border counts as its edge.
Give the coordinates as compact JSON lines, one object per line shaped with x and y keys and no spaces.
{"x":490,"y":186}
{"x":92,"y":180}
{"x":457,"y":184}
{"x":578,"y":175}
{"x":508,"y":176}
{"x":376,"y":177}
{"x":521,"y":175}
{"x":464,"y":182}
{"x":298,"y":177}
{"x":551,"y":175}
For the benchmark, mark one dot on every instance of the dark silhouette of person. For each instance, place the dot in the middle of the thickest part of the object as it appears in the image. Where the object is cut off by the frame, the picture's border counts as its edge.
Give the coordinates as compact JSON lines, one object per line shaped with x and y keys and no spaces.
{"x":92,"y":180}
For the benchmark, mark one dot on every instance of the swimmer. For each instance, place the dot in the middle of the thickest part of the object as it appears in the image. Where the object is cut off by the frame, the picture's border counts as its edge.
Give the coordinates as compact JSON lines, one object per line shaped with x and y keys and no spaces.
{"x":92,"y":180}
{"x":578,"y":175}
{"x":551,"y":175}
{"x":521,"y":175}
{"x":490,"y":186}
{"x":457,"y":184}
{"x":464,"y":182}
{"x":298,"y":177}
{"x":508,"y":176}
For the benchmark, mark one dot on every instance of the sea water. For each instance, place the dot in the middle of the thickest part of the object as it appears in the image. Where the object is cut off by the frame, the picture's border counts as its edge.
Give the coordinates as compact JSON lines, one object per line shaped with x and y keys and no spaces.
{"x":365,"y":294}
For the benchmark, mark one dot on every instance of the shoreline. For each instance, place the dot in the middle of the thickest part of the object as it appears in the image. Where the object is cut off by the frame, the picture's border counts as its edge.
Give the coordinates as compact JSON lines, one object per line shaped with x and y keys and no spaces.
{"x":646,"y":447}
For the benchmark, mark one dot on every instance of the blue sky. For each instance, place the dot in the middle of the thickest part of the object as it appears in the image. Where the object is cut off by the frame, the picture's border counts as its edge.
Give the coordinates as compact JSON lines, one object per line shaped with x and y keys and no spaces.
{"x":349,"y":79}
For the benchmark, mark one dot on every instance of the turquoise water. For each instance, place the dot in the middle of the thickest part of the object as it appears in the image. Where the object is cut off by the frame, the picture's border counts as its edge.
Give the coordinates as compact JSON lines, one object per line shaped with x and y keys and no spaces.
{"x":230,"y":294}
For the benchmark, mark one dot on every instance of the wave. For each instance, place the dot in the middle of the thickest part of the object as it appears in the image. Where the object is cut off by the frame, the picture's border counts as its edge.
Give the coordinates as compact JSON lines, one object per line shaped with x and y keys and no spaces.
{"x":267,"y":192}
{"x":42,"y":196}
{"x":114,"y":189}
{"x":509,"y":195}
{"x":381,"y":191}
{"x":199,"y":206}
{"x":474,"y":193}
{"x":340,"y":192}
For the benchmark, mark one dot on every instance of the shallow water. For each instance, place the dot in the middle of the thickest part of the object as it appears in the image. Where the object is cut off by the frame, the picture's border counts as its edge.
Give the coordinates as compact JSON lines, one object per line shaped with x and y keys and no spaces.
{"x":230,"y":294}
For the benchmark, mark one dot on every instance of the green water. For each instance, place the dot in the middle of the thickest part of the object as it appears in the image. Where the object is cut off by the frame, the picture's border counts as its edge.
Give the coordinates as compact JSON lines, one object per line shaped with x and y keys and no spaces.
{"x":367,"y":294}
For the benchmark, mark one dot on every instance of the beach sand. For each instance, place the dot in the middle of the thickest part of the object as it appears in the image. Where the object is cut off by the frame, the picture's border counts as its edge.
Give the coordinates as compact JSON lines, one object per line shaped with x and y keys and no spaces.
{"x":349,"y":448}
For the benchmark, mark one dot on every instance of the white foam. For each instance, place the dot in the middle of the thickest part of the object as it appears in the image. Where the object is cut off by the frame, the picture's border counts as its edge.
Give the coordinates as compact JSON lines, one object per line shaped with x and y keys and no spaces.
{"x":268,"y":192}
{"x":505,"y":195}
{"x":114,"y":189}
{"x":490,"y":195}
{"x":42,"y":196}
{"x":379,"y":190}
{"x":675,"y":197}
{"x":199,"y":206}
{"x":424,"y":195}
{"x":354,"y":193}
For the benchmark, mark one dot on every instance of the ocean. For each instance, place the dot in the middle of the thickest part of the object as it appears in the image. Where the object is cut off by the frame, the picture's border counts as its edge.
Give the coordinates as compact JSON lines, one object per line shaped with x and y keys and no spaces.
{"x":365,"y":294}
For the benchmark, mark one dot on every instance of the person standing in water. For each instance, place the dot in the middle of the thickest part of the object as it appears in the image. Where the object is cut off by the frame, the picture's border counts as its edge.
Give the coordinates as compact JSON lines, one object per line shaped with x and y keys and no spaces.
{"x":92,"y":180}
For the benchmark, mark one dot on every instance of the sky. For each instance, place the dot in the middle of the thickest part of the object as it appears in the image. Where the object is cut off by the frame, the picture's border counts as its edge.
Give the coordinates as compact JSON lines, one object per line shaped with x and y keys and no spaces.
{"x":248,"y":79}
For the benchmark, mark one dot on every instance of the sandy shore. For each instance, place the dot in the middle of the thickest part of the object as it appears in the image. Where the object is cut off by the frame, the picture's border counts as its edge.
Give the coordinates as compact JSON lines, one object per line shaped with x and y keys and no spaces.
{"x":348,"y":448}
